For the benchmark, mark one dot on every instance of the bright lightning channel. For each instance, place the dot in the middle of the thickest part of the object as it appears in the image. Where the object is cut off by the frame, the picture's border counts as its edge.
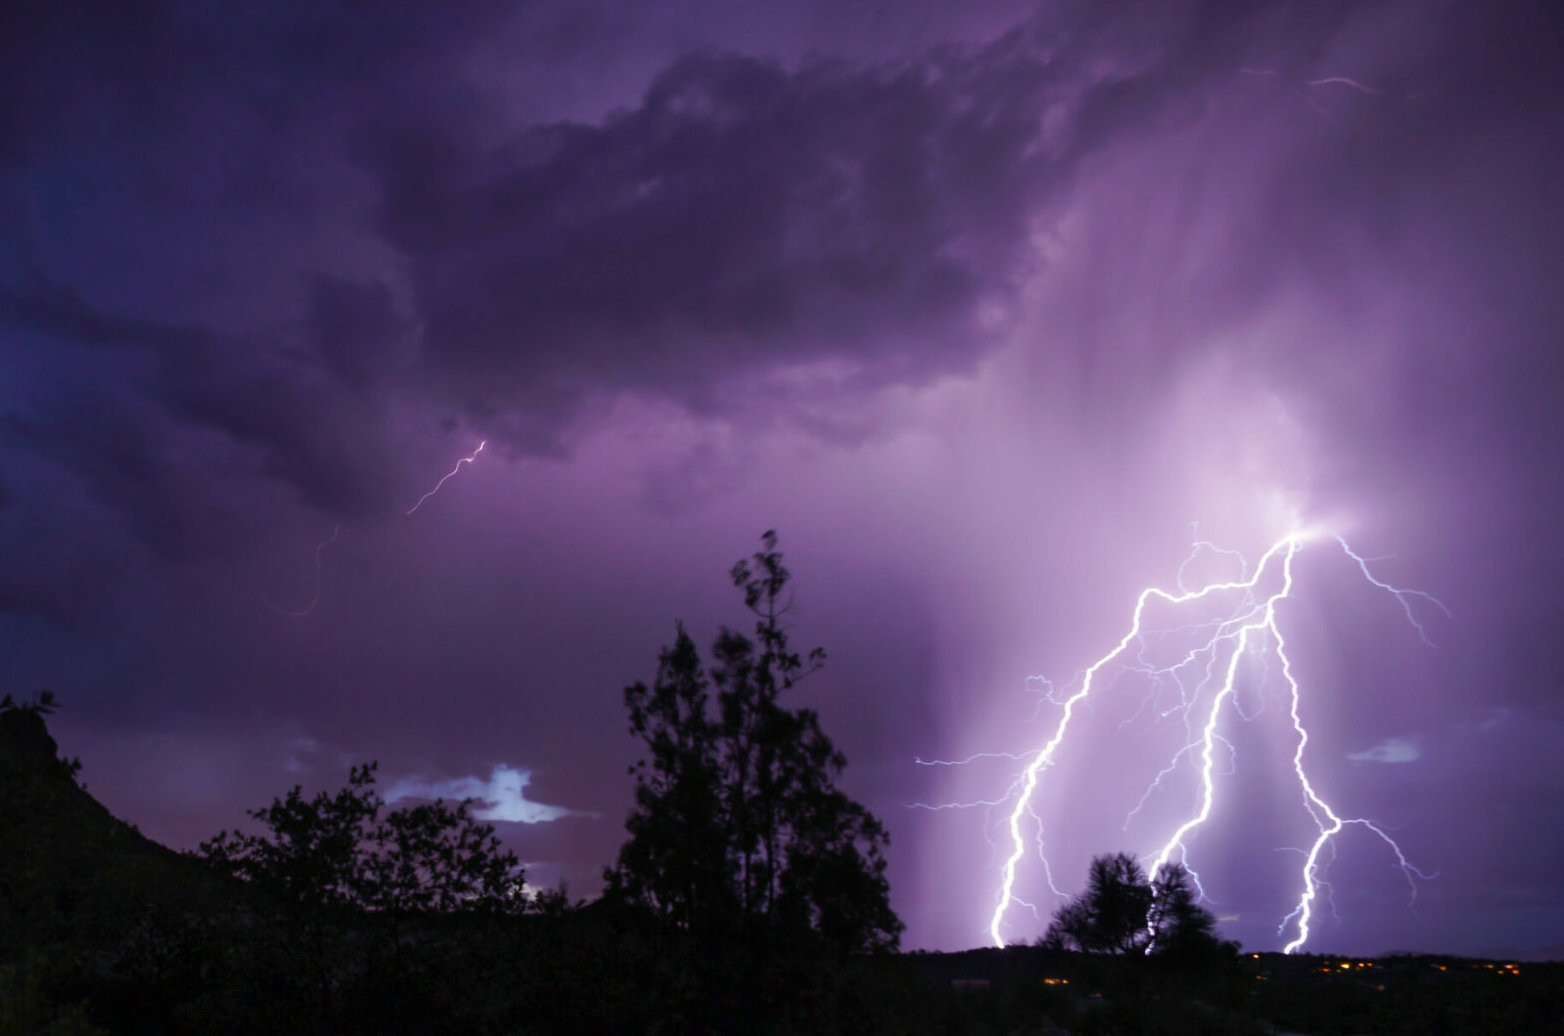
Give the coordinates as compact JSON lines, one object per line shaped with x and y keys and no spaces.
{"x":1249,"y":627}
{"x":449,"y":475}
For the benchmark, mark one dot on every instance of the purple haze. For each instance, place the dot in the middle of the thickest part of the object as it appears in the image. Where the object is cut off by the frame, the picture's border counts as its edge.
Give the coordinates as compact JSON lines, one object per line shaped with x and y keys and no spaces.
{"x":983,"y":312}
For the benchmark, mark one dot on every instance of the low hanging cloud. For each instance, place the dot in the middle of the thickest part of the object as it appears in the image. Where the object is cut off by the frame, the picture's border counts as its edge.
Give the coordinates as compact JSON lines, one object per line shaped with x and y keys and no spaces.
{"x":1391,"y":750}
{"x":503,"y":796}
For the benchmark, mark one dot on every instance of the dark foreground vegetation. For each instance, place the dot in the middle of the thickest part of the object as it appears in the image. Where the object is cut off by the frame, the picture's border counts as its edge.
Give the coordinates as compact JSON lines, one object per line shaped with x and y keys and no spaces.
{"x":102,"y":931}
{"x":750,"y":897}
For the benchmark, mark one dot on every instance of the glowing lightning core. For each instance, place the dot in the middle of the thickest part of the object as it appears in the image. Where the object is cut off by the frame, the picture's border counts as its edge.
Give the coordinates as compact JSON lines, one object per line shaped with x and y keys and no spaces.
{"x":449,"y":475}
{"x":1225,"y":640}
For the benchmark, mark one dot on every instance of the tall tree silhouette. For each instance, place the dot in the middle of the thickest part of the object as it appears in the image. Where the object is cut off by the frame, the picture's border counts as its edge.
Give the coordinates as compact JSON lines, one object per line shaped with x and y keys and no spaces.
{"x":677,"y":859}
{"x":738,"y":824}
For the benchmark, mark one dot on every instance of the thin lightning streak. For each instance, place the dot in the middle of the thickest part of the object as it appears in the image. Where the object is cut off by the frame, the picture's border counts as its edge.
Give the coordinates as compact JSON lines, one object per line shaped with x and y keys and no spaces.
{"x":1308,"y":88}
{"x":939,"y":806}
{"x":1249,"y":628}
{"x":1400,"y":595}
{"x":337,"y":532}
{"x":1205,"y":546}
{"x":320,"y":548}
{"x":971,"y":758}
{"x":1345,"y":81}
{"x":449,"y":475}
{"x":936,"y":807}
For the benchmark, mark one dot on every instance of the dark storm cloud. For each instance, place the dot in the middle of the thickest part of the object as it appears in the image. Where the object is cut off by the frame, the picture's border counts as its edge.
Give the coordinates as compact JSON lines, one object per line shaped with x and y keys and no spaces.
{"x":267,"y":270}
{"x":878,"y":219}
{"x":312,"y":436}
{"x":122,"y":454}
{"x":138,"y":142}
{"x":48,"y":308}
{"x":143,"y":64}
{"x":46,"y":51}
{"x":747,"y":215}
{"x":356,"y":329}
{"x":123,"y":403}
{"x":743,"y":215}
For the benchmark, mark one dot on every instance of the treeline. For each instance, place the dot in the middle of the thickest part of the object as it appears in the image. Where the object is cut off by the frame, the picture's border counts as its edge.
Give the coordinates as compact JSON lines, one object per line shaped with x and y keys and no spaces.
{"x":750,"y":896}
{"x":749,"y":889}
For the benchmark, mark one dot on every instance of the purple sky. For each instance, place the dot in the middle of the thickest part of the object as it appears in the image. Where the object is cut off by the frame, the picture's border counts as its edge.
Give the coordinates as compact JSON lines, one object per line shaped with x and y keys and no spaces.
{"x":983,"y":311}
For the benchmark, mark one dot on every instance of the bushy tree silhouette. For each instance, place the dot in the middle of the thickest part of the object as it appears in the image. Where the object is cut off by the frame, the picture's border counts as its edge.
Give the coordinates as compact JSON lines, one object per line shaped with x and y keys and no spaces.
{"x":357,"y":904}
{"x":43,"y":705}
{"x":1122,"y":912}
{"x":1110,"y":916}
{"x":339,"y":851}
{"x":738,"y":826}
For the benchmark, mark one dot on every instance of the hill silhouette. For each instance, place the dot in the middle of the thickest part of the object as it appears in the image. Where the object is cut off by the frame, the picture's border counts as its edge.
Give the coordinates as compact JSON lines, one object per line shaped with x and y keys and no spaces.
{"x":105,"y":930}
{"x":71,"y":869}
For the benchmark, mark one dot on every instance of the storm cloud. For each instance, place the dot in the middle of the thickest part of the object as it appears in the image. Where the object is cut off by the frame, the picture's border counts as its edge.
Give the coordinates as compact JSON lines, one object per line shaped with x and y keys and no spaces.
{"x":981,"y":308}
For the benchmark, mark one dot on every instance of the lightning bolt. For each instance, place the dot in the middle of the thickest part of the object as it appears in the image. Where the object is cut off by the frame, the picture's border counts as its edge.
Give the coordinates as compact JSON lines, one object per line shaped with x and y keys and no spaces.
{"x":320,"y":548}
{"x":1307,"y":88}
{"x":448,"y":476}
{"x":1361,"y":88}
{"x":336,"y":533}
{"x":1249,"y":627}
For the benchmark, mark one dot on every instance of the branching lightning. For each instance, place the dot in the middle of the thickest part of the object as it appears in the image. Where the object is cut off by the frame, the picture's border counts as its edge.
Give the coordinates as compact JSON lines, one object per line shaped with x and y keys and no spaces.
{"x":1229,"y":621}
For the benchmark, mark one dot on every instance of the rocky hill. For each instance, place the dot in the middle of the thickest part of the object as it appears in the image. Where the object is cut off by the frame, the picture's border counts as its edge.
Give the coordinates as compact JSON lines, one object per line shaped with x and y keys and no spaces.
{"x":70,"y":869}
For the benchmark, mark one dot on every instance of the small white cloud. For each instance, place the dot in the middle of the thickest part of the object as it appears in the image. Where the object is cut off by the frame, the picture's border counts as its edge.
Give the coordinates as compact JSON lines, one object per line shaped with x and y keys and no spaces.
{"x":502,"y":797}
{"x":1393,"y":750}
